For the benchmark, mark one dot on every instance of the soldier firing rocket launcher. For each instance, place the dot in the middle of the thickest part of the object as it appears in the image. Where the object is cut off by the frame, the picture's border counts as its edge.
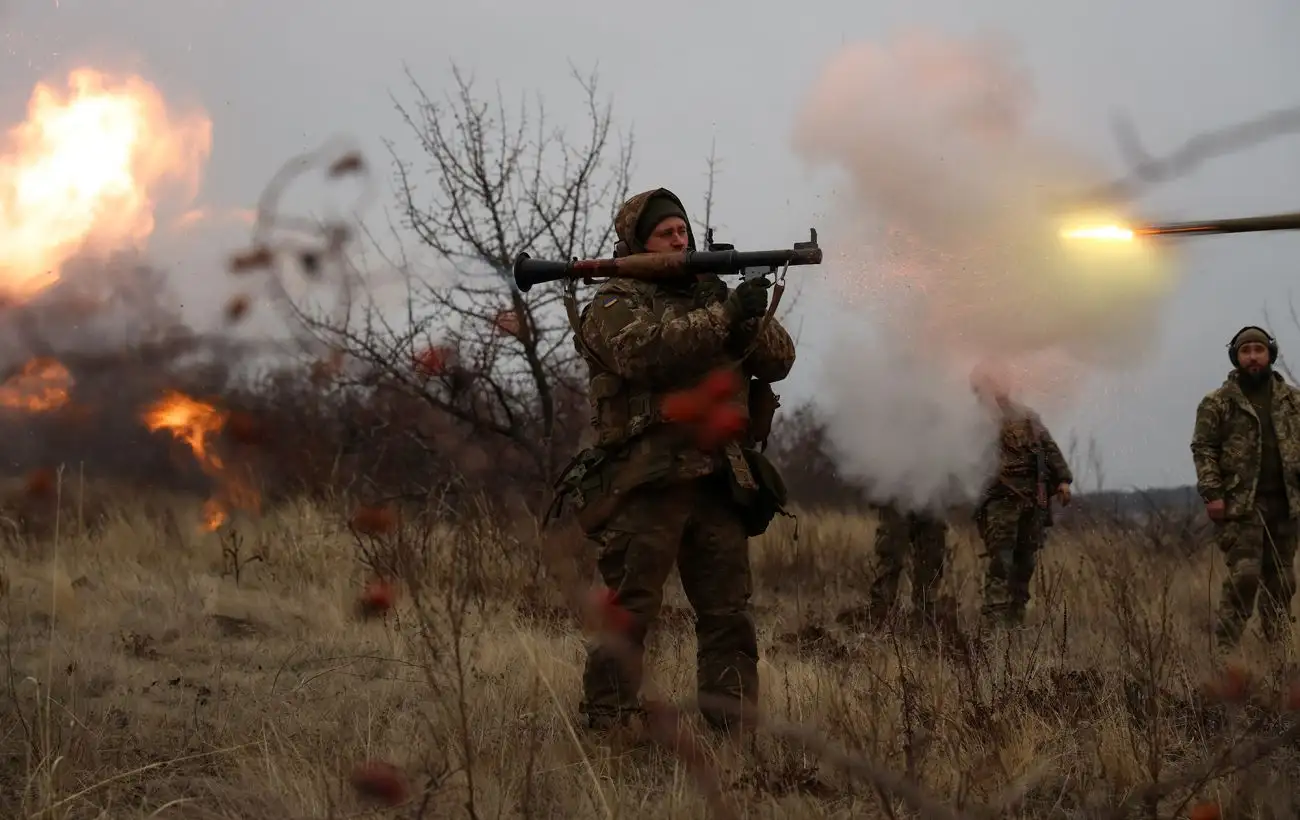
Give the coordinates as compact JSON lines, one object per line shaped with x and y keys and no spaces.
{"x":1246,"y":224}
{"x":720,"y":259}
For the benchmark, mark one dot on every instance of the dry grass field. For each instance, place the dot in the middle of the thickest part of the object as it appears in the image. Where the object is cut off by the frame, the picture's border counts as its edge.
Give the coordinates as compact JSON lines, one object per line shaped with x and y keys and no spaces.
{"x":155,"y":671}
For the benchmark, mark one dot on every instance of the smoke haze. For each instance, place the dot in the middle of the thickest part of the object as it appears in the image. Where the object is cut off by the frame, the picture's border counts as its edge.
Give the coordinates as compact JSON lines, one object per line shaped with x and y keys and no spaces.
{"x":950,"y":256}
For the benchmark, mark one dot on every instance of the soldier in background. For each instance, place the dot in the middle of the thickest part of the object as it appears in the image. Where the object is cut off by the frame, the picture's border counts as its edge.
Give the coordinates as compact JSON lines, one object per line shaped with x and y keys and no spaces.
{"x":1246,"y":448}
{"x":1015,"y":510}
{"x":916,"y":534}
{"x":647,"y":494}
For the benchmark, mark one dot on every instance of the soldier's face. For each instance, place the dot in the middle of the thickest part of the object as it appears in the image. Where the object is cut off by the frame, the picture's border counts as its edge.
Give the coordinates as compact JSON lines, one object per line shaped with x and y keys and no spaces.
{"x":1252,"y":357}
{"x":668,"y":236}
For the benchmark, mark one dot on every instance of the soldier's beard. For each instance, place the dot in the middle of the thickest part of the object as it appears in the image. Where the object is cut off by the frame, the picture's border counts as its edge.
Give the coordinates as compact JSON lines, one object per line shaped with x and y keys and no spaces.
{"x":1254,"y":378}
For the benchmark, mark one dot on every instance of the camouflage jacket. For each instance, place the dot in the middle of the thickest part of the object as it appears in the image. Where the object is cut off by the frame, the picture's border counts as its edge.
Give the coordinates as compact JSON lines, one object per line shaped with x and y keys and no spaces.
{"x":1022,"y":435}
{"x":1226,"y":445}
{"x":642,"y":340}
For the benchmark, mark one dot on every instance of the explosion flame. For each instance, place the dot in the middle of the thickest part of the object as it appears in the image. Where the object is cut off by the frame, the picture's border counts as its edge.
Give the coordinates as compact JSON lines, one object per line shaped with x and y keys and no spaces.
{"x":43,"y":384}
{"x":84,"y":173}
{"x":196,"y":423}
{"x":84,"y":170}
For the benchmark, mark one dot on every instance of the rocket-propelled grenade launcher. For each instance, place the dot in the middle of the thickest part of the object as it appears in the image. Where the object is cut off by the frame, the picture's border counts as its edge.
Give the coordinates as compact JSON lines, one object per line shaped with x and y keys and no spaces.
{"x":1244,"y":224}
{"x":720,"y":259}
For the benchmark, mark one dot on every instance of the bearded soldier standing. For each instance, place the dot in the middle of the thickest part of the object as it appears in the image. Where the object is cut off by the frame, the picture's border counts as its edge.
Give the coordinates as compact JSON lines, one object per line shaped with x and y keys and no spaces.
{"x":1015,"y":509}
{"x":1246,"y":447}
{"x":647,"y":493}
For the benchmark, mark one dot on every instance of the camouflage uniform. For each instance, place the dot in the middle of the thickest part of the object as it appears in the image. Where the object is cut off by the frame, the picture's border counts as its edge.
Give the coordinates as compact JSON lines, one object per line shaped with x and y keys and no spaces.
{"x":899,"y":534}
{"x":1246,"y":447}
{"x":1009,"y":517}
{"x":646,"y":495}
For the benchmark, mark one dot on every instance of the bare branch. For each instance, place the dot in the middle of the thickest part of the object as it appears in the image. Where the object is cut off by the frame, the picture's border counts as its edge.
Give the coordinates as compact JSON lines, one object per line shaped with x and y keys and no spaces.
{"x":495,"y":179}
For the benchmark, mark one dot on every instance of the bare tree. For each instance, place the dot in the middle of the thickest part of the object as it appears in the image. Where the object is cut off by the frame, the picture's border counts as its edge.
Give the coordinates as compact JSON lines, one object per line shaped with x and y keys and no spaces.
{"x":706,"y":226}
{"x":471,"y":346}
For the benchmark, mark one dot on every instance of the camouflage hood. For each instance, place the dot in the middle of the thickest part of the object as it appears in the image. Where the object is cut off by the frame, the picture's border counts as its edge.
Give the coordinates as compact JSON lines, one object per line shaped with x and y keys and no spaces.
{"x":630,"y":213}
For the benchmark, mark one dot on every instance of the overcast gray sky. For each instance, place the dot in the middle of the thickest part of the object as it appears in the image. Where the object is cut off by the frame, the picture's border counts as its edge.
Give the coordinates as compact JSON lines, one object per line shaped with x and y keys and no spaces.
{"x":281,"y":76}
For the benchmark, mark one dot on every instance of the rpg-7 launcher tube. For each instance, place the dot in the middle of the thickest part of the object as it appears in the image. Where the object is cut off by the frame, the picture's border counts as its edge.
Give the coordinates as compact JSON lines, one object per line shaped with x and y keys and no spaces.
{"x":653,"y":266}
{"x":1245,"y":224}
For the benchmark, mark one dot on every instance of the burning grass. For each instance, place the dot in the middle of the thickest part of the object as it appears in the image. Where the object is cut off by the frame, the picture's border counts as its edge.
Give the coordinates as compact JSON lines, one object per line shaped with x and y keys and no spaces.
{"x":291,"y":667}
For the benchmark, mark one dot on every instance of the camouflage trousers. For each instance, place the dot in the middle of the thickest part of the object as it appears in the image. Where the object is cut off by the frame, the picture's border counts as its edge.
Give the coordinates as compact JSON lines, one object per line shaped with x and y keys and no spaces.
{"x":898,"y":536}
{"x":1013,"y":533}
{"x":697,"y":526}
{"x":1260,"y":554}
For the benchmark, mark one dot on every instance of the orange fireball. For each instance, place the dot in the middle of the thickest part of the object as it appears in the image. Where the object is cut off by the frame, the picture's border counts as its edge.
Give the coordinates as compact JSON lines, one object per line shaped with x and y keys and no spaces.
{"x":85,"y":169}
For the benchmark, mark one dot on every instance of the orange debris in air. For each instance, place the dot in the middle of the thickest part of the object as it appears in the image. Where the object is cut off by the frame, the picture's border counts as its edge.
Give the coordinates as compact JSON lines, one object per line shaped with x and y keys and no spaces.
{"x":605,"y":613}
{"x":43,"y":384}
{"x":85,"y":169}
{"x":374,"y":520}
{"x":377,"y":598}
{"x":433,"y":361}
{"x":708,"y":409}
{"x":196,"y":423}
{"x":382,"y":782}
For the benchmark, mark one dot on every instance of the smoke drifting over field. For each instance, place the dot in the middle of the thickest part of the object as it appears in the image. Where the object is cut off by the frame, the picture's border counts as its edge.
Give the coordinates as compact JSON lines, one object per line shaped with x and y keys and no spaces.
{"x":950,"y":254}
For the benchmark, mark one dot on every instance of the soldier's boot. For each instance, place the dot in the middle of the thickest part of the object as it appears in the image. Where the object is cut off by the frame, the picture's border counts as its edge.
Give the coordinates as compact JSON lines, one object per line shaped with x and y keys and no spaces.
{"x":727,"y":669}
{"x":610,"y":699}
{"x":611,"y":680}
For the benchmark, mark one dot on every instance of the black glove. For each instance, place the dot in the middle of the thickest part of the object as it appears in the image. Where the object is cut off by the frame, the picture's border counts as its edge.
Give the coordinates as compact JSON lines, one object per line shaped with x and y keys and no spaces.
{"x":741,"y":336}
{"x":747,"y":301}
{"x":709,"y":291}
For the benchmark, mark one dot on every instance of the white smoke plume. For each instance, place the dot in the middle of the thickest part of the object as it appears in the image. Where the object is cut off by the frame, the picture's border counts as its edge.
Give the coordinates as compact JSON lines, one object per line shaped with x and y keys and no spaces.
{"x":951,"y":248}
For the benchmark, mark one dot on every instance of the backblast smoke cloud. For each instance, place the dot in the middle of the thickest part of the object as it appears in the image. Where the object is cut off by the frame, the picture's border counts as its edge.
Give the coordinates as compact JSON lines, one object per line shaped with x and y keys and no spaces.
{"x":947,"y":253}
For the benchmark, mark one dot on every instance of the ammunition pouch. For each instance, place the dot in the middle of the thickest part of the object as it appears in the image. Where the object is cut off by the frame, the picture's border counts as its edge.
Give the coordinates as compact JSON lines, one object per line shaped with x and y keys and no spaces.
{"x":617,"y":413}
{"x":596,"y":480}
{"x":763,"y":404}
{"x":764,"y":499}
{"x":578,"y":484}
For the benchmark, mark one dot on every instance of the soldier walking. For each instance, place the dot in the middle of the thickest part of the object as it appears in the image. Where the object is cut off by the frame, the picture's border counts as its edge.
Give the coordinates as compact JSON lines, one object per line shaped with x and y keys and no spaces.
{"x":899,"y":535}
{"x":1015,"y":510}
{"x":1246,"y":448}
{"x":647,"y":494}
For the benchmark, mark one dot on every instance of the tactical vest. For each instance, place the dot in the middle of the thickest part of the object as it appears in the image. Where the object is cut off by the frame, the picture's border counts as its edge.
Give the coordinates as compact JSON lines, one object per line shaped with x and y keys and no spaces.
{"x":620,"y":411}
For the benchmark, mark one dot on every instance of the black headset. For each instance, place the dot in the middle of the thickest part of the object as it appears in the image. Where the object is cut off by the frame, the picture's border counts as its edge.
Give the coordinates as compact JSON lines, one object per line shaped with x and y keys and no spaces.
{"x":1232,"y":344}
